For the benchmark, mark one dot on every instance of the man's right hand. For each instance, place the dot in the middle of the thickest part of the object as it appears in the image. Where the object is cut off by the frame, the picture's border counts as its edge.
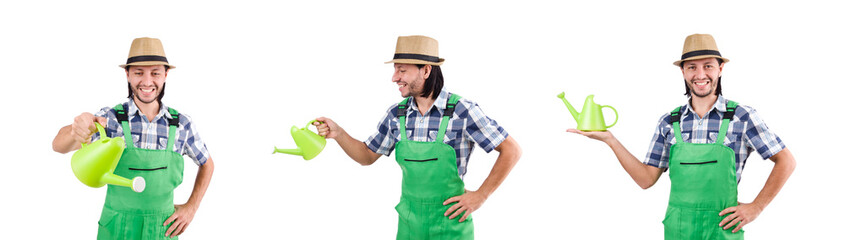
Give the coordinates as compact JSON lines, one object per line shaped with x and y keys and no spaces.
{"x":328,"y":128}
{"x":83,"y":127}
{"x":603,"y":136}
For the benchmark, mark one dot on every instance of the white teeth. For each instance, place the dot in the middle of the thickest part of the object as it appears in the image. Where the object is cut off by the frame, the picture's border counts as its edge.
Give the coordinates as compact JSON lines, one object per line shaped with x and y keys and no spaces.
{"x":146,"y":90}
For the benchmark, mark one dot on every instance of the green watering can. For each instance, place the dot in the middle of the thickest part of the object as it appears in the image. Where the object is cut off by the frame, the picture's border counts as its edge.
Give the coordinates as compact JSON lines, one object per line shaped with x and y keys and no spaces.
{"x":94,"y":164}
{"x":590,"y":118}
{"x":308,"y":143}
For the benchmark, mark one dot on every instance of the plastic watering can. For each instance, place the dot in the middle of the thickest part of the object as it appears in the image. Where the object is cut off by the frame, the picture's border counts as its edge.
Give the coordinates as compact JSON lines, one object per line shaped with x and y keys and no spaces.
{"x":308,"y":143}
{"x":94,"y":164}
{"x":590,"y":118}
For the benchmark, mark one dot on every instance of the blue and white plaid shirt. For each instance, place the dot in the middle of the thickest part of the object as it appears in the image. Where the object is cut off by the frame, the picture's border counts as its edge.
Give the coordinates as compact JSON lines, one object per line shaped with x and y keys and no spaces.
{"x":153,"y":135}
{"x":468,"y":125}
{"x":746,"y":133}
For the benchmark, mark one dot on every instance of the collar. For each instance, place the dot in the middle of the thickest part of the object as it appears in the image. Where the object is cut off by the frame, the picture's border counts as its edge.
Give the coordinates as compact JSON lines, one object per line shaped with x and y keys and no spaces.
{"x":133,"y":110}
{"x":720,"y":106}
{"x":439,"y":102}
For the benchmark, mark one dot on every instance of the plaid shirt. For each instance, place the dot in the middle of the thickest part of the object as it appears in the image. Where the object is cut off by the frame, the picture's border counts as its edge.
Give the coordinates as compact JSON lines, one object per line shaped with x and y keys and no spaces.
{"x":746,"y":132}
{"x":153,"y":135}
{"x":468,"y":125}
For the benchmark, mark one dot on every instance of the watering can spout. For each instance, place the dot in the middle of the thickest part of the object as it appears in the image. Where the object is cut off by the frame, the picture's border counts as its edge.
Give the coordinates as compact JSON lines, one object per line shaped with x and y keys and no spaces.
{"x":295,"y":151}
{"x":572,"y":110}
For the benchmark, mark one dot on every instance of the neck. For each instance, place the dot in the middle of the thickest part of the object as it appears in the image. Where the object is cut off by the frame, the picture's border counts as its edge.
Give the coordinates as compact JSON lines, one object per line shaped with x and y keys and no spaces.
{"x":150,"y":110}
{"x":703,"y":104}
{"x":424,"y":103}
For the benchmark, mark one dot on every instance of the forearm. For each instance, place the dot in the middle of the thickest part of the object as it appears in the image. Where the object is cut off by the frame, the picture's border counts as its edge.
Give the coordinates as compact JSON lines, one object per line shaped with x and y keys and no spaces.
{"x":63,"y":142}
{"x":508,"y":156}
{"x":644,"y":175}
{"x":784,"y":165}
{"x":356,"y":150}
{"x":201,"y":184}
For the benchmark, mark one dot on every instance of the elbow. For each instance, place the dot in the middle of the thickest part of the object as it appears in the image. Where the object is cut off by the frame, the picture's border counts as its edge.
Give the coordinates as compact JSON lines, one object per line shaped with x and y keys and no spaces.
{"x":58,"y":149}
{"x":646,"y":183}
{"x":366,"y":161}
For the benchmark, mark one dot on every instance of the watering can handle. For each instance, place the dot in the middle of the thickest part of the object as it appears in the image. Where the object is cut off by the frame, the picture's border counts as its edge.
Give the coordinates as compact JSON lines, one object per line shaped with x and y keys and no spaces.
{"x":312,"y":121}
{"x":99,"y":129}
{"x":614,"y":113}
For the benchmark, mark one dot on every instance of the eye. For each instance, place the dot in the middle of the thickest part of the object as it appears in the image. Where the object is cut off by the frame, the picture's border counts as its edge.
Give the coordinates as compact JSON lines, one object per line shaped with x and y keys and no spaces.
{"x":138,"y":73}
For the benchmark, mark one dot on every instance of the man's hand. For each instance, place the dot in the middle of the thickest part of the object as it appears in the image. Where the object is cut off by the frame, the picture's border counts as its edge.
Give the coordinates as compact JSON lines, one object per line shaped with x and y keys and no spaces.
{"x":328,"y":128}
{"x":83,"y":127}
{"x":742,"y":215}
{"x":181,"y":219}
{"x":467,"y":203}
{"x":603,"y":136}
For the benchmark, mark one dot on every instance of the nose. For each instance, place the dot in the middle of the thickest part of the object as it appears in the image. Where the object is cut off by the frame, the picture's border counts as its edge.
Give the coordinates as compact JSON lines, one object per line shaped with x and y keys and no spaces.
{"x":700,"y":73}
{"x":395,"y":77}
{"x":146,"y":79}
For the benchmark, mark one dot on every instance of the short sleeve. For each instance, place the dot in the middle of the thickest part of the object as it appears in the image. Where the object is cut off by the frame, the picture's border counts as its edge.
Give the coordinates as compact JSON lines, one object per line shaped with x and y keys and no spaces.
{"x":384,"y":140}
{"x":194,"y":147}
{"x":760,"y":137}
{"x":658,"y":154}
{"x":482,"y":129}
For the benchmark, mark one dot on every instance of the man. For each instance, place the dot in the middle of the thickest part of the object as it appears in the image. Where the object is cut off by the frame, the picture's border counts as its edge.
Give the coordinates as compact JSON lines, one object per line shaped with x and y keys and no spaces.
{"x":433,"y":132}
{"x":156,"y":138}
{"x":704,"y":145}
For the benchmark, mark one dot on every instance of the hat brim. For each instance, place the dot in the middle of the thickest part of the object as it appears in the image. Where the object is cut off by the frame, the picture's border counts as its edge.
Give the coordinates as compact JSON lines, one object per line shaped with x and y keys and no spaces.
{"x":678,"y":63}
{"x":147,"y":63}
{"x":416,"y":61}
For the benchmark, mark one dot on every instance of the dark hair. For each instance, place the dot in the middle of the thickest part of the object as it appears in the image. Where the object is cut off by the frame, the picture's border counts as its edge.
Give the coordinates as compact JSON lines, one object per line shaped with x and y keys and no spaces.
{"x":718,"y":84}
{"x":160,"y":95}
{"x":434,"y":83}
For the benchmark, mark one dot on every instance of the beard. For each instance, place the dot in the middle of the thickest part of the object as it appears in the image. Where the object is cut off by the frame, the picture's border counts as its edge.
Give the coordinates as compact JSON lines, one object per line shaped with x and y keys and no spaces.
{"x":692,"y":88}
{"x":159,"y":93}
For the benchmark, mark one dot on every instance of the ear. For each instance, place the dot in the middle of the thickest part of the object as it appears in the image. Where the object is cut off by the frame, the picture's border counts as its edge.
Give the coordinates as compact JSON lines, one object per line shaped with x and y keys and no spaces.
{"x":426,"y":71}
{"x":721,"y":66}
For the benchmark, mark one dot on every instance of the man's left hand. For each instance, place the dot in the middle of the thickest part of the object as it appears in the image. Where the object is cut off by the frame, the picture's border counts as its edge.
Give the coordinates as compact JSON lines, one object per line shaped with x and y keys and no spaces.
{"x":180,"y":219}
{"x":742,"y":214}
{"x":467,"y":203}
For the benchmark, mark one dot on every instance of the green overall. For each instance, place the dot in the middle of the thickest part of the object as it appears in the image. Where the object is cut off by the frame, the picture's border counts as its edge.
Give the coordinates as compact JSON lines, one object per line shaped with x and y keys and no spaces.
{"x":130,"y":215}
{"x":703,"y":184}
{"x":429,"y":177}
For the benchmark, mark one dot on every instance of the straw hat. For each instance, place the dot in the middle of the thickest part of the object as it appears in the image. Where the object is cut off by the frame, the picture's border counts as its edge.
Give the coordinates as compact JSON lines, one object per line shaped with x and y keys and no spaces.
{"x":146,"y":52}
{"x":416,"y":50}
{"x":699,"y":46}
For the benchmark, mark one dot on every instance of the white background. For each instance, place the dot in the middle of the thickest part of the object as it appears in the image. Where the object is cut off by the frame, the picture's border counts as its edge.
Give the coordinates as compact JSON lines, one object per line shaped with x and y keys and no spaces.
{"x":246,"y":72}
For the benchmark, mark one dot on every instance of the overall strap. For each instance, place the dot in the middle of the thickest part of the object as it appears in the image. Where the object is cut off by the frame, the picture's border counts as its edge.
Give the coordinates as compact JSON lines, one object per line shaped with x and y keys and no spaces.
{"x":726,"y":119}
{"x":123,"y":118}
{"x":400,"y":112}
{"x":447,"y":114}
{"x":174,"y":125}
{"x":675,"y":119}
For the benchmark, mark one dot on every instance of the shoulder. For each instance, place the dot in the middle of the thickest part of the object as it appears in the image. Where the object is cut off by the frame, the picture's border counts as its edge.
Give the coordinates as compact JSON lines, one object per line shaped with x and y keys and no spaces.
{"x":185,"y":120}
{"x":107,"y":112}
{"x":666,"y":118}
{"x":391,"y":111}
{"x":745,"y":113}
{"x":466,"y":106}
